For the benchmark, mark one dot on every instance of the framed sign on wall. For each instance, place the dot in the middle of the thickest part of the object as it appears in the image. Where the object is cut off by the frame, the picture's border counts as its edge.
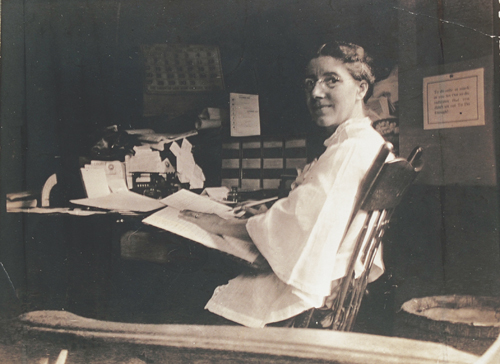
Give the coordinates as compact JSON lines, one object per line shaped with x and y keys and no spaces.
{"x":454,"y":100}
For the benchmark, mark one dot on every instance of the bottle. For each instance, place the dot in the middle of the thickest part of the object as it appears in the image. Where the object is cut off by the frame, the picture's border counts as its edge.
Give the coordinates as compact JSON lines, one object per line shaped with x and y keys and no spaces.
{"x":233,"y":195}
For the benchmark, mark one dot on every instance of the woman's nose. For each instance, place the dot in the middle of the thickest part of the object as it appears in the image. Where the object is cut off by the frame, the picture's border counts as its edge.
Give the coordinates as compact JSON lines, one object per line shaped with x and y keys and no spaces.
{"x":318,"y":91}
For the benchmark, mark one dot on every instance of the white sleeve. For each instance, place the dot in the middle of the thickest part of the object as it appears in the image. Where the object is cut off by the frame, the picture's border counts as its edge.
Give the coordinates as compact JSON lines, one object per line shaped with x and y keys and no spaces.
{"x":300,"y":235}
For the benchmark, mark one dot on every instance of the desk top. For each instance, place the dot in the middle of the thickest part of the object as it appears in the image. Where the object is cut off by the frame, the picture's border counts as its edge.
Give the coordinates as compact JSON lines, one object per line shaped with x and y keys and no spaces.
{"x":70,"y":211}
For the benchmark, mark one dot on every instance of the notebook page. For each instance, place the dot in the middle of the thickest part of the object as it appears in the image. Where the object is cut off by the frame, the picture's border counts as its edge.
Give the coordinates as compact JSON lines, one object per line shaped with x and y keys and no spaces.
{"x":168,"y":219}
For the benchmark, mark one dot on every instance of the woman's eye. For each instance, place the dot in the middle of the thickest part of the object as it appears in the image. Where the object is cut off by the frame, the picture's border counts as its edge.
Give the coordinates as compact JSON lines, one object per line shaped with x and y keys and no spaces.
{"x":331,"y":81}
{"x":309,"y":83}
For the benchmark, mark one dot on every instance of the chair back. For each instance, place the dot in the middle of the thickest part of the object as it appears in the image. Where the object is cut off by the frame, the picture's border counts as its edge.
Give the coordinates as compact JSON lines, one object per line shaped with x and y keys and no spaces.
{"x":381,"y":190}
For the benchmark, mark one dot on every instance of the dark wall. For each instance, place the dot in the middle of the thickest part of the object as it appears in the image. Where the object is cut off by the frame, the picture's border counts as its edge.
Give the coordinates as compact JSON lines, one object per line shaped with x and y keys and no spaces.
{"x":83,"y":68}
{"x":83,"y":65}
{"x":447,"y":230}
{"x":13,"y":148}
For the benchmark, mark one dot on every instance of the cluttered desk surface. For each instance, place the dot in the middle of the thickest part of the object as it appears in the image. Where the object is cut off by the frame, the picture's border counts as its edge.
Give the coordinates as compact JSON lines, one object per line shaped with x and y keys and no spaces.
{"x":157,"y":175}
{"x":153,"y":166}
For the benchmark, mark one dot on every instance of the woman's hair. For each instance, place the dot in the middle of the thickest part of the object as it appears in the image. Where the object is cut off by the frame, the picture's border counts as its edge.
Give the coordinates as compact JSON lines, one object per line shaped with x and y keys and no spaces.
{"x":357,"y":62}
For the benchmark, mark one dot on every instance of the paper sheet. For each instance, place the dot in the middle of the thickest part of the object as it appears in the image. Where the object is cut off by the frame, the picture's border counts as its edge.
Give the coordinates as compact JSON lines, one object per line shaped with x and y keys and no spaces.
{"x":175,"y":149}
{"x":156,"y":141}
{"x":145,"y":160}
{"x":62,"y":211}
{"x":139,"y":131}
{"x":122,"y":201}
{"x":187,"y":169}
{"x":19,"y":195}
{"x":168,"y":219}
{"x":95,"y":182}
{"x":100,"y":178}
{"x":187,"y":200}
{"x":216,"y":193}
{"x":115,"y":176}
{"x":244,"y":114}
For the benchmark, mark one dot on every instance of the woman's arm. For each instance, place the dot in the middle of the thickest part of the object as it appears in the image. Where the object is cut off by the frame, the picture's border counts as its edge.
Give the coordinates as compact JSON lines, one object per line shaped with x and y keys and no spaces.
{"x":217,"y":225}
{"x":232,"y":227}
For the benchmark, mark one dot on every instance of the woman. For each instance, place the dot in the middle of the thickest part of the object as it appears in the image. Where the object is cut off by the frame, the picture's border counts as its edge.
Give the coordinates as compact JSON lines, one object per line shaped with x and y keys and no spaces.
{"x":299,"y":236}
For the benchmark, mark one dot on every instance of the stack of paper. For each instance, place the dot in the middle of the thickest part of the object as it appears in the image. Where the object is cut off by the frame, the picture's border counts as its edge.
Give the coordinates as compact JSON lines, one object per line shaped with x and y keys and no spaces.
{"x":157,"y":141}
{"x":106,"y":188}
{"x":100,"y":178}
{"x":122,"y":201}
{"x":147,"y":160}
{"x":20,"y":200}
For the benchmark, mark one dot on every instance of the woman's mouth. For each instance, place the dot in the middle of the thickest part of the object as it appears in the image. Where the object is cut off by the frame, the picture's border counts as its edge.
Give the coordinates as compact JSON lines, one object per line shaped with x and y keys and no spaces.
{"x":320,"y":108}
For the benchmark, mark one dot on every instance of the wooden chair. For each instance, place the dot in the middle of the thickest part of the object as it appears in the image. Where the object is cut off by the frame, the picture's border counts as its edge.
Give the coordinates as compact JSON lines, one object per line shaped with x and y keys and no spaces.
{"x":380,"y":192}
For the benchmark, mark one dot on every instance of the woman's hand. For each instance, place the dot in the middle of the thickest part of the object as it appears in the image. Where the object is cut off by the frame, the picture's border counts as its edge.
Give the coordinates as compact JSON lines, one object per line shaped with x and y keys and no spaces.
{"x":209,"y":222}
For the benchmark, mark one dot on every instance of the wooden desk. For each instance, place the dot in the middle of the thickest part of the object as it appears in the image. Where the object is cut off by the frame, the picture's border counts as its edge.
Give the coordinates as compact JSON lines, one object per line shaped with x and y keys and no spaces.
{"x":76,"y":264}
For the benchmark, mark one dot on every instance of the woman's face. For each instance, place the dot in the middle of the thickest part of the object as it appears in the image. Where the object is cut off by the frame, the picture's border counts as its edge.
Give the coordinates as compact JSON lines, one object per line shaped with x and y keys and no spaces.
{"x":332,"y":95}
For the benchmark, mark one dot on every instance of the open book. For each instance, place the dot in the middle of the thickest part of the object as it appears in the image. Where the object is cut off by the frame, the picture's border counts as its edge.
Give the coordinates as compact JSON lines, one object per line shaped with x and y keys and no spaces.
{"x":168,"y":219}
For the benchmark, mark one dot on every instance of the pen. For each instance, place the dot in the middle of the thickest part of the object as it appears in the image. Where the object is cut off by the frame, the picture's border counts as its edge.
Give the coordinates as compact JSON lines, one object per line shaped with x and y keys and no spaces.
{"x":253,"y":203}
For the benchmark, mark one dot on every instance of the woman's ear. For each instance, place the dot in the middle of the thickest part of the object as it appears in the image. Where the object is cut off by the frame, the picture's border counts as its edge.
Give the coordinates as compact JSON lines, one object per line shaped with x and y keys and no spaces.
{"x":362,"y":89}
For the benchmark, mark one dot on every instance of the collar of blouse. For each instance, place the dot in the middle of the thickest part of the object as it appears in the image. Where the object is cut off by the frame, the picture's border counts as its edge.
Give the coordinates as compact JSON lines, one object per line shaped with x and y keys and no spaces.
{"x":344,"y":126}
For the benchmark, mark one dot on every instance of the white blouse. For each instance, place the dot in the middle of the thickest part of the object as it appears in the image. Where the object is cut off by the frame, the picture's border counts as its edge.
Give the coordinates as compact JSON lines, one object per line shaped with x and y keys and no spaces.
{"x":300,"y":235}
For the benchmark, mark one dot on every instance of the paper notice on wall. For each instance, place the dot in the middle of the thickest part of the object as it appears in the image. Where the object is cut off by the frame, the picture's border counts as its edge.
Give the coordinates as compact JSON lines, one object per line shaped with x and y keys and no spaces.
{"x":244,"y":114}
{"x":454,"y":100}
